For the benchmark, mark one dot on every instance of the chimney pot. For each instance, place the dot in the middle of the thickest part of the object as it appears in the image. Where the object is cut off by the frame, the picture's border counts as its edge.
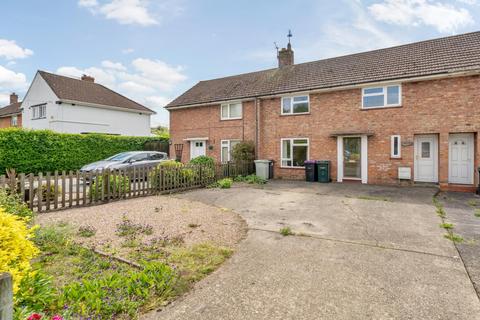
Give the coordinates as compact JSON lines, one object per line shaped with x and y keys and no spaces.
{"x":285,"y":56}
{"x":13,"y":98}
{"x":88,"y":78}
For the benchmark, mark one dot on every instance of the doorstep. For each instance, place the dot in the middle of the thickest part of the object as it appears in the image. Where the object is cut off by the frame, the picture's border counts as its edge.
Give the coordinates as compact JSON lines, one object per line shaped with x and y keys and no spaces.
{"x":458,"y":187}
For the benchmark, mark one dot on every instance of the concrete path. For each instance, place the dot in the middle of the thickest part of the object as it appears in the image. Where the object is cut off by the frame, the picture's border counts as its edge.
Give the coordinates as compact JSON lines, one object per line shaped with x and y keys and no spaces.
{"x":461,"y":209}
{"x":361,"y":252}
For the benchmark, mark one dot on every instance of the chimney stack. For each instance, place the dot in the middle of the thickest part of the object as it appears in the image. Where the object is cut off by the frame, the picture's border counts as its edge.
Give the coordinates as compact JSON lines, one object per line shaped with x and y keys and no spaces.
{"x":13,"y":98}
{"x":285,"y":56}
{"x":88,"y":78}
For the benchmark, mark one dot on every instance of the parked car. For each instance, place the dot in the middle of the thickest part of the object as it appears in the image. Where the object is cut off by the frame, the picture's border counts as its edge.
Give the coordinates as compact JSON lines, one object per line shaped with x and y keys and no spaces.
{"x":126,"y":160}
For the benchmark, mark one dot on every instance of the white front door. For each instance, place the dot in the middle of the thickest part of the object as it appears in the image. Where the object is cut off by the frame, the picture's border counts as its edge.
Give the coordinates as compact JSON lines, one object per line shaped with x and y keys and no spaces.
{"x":460,"y":158}
{"x":426,"y":158}
{"x":197,"y":148}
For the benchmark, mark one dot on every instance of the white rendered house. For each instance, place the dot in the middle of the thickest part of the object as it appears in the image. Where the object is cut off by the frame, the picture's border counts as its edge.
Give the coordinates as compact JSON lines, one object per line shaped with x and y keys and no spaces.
{"x":69,"y":105}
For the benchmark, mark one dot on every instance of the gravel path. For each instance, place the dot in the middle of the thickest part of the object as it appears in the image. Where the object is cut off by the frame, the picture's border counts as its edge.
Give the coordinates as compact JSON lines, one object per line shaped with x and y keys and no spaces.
{"x":169,"y":217}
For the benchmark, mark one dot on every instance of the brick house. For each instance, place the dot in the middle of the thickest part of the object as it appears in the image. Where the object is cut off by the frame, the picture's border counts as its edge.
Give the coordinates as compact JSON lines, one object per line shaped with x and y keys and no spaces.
{"x":407,"y":113}
{"x":11,"y":115}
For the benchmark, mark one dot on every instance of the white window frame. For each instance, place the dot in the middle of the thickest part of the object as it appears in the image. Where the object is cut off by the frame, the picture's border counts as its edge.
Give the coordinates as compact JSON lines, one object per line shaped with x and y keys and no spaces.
{"x":228,"y":106}
{"x":291,"y":151}
{"x":392,"y":146}
{"x":384,"y":93}
{"x":39,"y":111}
{"x":228,"y":144}
{"x":293,"y":103}
{"x":14,"y":121}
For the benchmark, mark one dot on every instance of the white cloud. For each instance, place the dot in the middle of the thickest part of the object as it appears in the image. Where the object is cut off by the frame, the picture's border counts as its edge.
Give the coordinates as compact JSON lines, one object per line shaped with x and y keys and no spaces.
{"x":122,"y":11}
{"x":11,"y":80}
{"x":147,"y":81}
{"x":113,"y":65}
{"x":87,"y":3}
{"x":4,"y":99}
{"x":444,"y":17}
{"x":10,"y":50}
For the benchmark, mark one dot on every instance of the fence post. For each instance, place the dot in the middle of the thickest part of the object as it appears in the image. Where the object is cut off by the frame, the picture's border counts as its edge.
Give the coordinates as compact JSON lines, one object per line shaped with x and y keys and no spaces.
{"x":6,"y":296}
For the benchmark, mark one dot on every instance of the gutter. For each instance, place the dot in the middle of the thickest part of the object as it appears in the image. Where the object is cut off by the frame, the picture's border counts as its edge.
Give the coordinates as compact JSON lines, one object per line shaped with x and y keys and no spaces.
{"x":338,"y":88}
{"x":103,"y":106}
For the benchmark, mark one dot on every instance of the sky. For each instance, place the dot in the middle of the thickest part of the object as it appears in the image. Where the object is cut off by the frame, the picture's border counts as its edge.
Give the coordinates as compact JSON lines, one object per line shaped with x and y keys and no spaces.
{"x":154,"y":50}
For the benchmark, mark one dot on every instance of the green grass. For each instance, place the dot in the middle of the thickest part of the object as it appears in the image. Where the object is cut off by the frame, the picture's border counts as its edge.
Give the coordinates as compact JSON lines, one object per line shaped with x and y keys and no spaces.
{"x":374,"y":198}
{"x":87,"y":231}
{"x":472,"y":202}
{"x":446,"y":225}
{"x":453,"y":237}
{"x":477,"y":213}
{"x":286,"y":231}
{"x":91,"y":285}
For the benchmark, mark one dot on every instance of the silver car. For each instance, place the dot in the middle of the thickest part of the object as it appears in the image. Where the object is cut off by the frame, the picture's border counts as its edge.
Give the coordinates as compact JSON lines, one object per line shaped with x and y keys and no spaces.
{"x":127,"y":160}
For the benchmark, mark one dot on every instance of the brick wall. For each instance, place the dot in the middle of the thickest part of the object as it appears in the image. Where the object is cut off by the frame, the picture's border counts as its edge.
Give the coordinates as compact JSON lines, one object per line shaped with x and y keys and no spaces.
{"x":6,"y":122}
{"x":436,"y":107}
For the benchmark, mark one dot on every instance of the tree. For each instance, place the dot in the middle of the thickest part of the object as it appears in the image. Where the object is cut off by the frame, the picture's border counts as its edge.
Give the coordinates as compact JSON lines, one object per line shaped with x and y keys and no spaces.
{"x":161,"y":131}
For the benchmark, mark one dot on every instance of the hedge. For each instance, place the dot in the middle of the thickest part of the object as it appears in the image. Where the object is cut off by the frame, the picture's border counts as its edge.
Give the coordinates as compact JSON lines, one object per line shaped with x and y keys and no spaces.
{"x":33,"y":151}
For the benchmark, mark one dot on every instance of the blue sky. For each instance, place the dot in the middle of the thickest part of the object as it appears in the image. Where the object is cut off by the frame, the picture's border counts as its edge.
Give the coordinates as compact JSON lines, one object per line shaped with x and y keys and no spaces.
{"x":154,"y":50}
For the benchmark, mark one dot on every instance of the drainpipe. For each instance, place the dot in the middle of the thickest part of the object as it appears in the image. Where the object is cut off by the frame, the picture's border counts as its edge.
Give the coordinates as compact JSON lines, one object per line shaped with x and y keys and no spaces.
{"x":257,"y":126}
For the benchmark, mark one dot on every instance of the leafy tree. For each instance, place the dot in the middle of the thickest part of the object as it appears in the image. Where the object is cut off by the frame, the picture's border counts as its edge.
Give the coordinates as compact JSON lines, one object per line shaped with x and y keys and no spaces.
{"x":161,"y":131}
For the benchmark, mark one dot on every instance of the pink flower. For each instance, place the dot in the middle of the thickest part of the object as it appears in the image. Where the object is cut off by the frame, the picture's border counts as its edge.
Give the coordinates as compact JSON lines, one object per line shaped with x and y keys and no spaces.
{"x":35,"y":316}
{"x":57,"y":317}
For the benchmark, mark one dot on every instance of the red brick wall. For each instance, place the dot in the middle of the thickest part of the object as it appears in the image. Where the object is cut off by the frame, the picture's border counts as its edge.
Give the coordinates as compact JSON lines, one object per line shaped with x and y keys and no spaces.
{"x":7,"y":121}
{"x":430,"y":107}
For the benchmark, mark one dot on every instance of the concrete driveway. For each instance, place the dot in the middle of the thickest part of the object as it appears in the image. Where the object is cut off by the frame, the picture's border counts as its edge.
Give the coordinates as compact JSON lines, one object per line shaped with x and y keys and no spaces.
{"x":360,"y":252}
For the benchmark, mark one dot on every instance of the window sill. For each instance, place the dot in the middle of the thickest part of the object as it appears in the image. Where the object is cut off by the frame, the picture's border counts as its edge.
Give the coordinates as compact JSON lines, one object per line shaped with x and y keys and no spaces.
{"x":395,"y":158}
{"x":39,"y":118}
{"x":297,"y":168}
{"x":294,"y":114}
{"x":229,"y":119}
{"x":377,"y":108}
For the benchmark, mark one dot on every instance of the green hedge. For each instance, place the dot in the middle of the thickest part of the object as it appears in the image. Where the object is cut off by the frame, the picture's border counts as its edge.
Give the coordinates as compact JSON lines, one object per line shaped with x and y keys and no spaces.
{"x":33,"y":151}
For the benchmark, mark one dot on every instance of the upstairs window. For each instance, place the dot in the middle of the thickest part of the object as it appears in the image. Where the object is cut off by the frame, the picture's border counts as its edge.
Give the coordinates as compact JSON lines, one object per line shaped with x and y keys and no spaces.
{"x":39,"y":112}
{"x":381,"y":97}
{"x":230,"y":111}
{"x":294,"y":152}
{"x":296,"y":105}
{"x":14,"y":121}
{"x":395,"y":148}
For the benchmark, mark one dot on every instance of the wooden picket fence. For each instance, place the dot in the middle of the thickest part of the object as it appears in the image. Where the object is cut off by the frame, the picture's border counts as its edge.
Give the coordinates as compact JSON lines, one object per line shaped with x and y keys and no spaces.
{"x":62,"y":190}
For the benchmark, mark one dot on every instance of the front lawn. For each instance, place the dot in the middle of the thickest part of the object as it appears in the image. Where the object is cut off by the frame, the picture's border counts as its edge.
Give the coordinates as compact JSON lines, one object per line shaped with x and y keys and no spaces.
{"x":125,"y":258}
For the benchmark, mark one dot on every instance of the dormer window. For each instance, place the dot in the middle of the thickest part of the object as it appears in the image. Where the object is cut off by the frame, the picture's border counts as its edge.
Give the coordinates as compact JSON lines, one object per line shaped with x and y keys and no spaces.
{"x":231,"y":111}
{"x":295,"y":105}
{"x":381,"y":97}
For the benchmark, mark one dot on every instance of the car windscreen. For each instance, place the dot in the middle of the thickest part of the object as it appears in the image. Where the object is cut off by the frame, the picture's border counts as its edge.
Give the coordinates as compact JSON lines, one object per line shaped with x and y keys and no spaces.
{"x":120,"y":157}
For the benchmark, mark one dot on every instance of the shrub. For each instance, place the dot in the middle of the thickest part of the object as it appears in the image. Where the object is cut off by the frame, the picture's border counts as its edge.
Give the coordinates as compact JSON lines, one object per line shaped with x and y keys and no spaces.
{"x":173,"y":172}
{"x":224,"y":183}
{"x":203,"y":160}
{"x":286,"y":231}
{"x":117,"y":184}
{"x":13,"y":204}
{"x":33,"y":151}
{"x":250,"y":179}
{"x":16,"y":247}
{"x":52,"y":192}
{"x":244,"y":151}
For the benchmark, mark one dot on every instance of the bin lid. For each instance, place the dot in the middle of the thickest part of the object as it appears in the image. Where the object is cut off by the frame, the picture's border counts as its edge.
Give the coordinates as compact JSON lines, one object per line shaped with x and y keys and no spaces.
{"x":323,"y":161}
{"x":261,"y":161}
{"x":309,"y":162}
